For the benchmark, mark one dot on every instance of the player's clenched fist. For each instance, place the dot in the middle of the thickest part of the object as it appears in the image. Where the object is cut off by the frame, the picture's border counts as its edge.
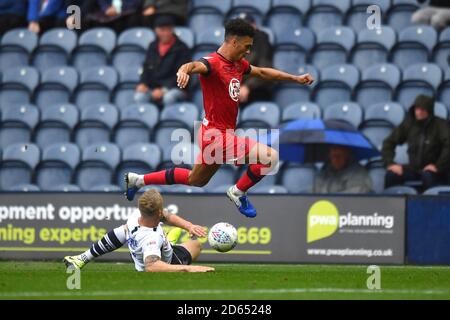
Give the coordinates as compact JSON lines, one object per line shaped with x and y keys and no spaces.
{"x":182,"y":79}
{"x":307,"y":79}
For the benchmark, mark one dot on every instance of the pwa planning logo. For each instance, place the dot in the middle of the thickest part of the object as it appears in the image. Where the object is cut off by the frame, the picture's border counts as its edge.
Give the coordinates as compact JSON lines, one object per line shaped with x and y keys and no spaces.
{"x":324,"y":220}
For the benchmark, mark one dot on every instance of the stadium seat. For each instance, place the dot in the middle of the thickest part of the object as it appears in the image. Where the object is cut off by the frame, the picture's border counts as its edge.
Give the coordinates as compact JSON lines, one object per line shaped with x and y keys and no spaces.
{"x":440,"y":110}
{"x":376,"y":133}
{"x":136,"y":123}
{"x":125,"y":91}
{"x":400,"y":13}
{"x":444,"y":89}
{"x":418,"y":79}
{"x":377,"y":175}
{"x":222,"y":6}
{"x":15,"y":47}
{"x":439,"y":190}
{"x":332,"y":47}
{"x":17,"y":124}
{"x":57,"y":165}
{"x":64,"y":188}
{"x":401,"y":154}
{"x":55,"y":48}
{"x":258,"y":9}
{"x":288,"y":93}
{"x":95,"y":86}
{"x":377,"y":85}
{"x":346,"y":111}
{"x":96,"y":125}
{"x":268,"y":190}
{"x":292,"y":48}
{"x":414,"y":45}
{"x":94,"y":48}
{"x":98,"y":165}
{"x":185,"y":35}
{"x":400,"y":190}
{"x":286,"y":15}
{"x":167,"y":137}
{"x":24,"y":188}
{"x":106,"y":188}
{"x":327,"y":13}
{"x":226,"y":175}
{"x":17,"y":86}
{"x":197,"y":99}
{"x":298,"y":178}
{"x":56,"y":86}
{"x":182,"y":114}
{"x":373,"y":46}
{"x":209,"y":39}
{"x":56,"y":125}
{"x":336,"y":85}
{"x":185,"y":154}
{"x":132,"y":46}
{"x":301,"y":110}
{"x":260,"y":115}
{"x":386,"y":112}
{"x":357,"y":15}
{"x":200,"y":21}
{"x":442,"y":50}
{"x":19,"y":161}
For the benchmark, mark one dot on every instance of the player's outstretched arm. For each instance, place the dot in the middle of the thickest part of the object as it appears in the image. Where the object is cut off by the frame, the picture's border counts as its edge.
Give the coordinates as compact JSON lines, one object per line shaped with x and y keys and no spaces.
{"x":184,"y":72}
{"x":177,"y":221}
{"x":277,"y":75}
{"x":154,"y":264}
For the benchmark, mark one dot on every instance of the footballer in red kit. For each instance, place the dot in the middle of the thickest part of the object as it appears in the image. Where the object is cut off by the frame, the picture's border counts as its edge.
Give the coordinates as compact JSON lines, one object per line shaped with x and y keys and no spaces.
{"x":220,"y":77}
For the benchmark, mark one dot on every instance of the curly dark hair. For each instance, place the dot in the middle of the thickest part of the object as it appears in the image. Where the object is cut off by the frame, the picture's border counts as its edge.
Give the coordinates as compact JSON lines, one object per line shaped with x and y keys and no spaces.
{"x":240,"y":28}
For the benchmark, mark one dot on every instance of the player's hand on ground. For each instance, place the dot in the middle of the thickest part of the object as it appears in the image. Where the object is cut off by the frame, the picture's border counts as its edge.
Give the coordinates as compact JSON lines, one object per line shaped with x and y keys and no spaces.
{"x":200,"y":269}
{"x":182,"y":79}
{"x":307,"y":79}
{"x":197,"y":231}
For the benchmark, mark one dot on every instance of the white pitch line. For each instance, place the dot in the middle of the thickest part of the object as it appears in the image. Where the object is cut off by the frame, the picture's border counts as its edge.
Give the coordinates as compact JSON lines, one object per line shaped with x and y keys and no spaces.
{"x":80,"y":293}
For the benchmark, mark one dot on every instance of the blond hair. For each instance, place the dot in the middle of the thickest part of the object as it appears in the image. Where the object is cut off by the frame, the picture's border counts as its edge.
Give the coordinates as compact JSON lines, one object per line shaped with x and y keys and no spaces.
{"x":150,"y":203}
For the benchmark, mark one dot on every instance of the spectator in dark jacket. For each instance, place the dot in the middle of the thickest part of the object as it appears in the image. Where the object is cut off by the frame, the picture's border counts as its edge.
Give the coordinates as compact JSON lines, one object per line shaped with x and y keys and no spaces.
{"x":437,"y":14}
{"x":44,"y":15}
{"x":12,"y":14}
{"x":428,"y":140}
{"x":164,"y":56}
{"x":178,"y":9}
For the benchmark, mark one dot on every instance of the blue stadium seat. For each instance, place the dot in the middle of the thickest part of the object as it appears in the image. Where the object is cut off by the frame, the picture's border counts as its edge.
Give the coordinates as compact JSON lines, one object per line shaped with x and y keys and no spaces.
{"x":182,"y":114}
{"x":327,"y":13}
{"x":19,"y":161}
{"x":439,"y":190}
{"x":401,"y":154}
{"x":444,"y":89}
{"x":56,"y":86}
{"x":292,"y":48}
{"x":258,"y":9}
{"x":131,"y":48}
{"x":167,"y":137}
{"x":209,"y":39}
{"x":185,"y":154}
{"x":268,"y":190}
{"x":377,"y":175}
{"x":373,"y":46}
{"x":414,"y":45}
{"x":400,"y":190}
{"x":378,"y":84}
{"x":226,"y":175}
{"x":99,"y":162}
{"x":17,"y":86}
{"x":442,"y":50}
{"x":357,"y":15}
{"x":136,"y":123}
{"x":418,"y":79}
{"x":186,"y":35}
{"x":440,"y":110}
{"x":345,"y":111}
{"x":222,"y":6}
{"x":95,"y":86}
{"x":106,"y":188}
{"x":301,"y":110}
{"x":336,"y":85}
{"x":298,"y":178}
{"x":387,"y":112}
{"x":197,"y":99}
{"x":125,"y":91}
{"x":55,"y":48}
{"x":333,"y":46}
{"x":289,"y":93}
{"x":64,"y":188}
{"x":400,"y":13}
{"x":15,"y":48}
{"x":17,"y":124}
{"x":201,"y":21}
{"x":56,"y":125}
{"x":94,"y":48}
{"x":25,"y":188}
{"x":96,"y":125}
{"x":57,"y":165}
{"x":286,"y":15}
{"x":376,"y":133}
{"x":260,"y":115}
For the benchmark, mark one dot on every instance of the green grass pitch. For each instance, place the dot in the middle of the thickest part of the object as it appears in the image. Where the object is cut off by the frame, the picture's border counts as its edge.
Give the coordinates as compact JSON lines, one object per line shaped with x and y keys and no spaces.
{"x":100,"y":280}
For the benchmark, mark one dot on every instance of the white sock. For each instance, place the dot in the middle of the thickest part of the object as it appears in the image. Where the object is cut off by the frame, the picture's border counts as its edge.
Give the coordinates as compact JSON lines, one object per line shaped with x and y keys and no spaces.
{"x":140,"y":181}
{"x":237,"y":192}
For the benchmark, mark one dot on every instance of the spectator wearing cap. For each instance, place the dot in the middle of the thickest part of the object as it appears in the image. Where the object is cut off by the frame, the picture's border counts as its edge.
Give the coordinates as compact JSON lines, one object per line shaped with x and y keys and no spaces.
{"x":428,"y":141}
{"x":45,"y":14}
{"x":12,"y":15}
{"x":436,"y":13}
{"x":252,"y":88}
{"x":164,"y":56}
{"x":176,"y":8}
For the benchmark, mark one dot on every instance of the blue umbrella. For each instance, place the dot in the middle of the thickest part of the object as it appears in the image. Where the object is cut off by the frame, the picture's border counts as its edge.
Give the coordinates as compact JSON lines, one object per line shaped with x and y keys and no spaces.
{"x":308,"y":140}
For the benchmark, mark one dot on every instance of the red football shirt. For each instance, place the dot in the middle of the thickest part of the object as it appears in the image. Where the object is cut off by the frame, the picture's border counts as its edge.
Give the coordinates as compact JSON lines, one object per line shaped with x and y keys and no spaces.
{"x":220,"y":88}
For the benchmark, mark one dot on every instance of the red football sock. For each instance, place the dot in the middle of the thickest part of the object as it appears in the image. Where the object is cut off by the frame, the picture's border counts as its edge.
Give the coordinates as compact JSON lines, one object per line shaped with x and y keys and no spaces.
{"x":251,"y":177}
{"x":168,"y":177}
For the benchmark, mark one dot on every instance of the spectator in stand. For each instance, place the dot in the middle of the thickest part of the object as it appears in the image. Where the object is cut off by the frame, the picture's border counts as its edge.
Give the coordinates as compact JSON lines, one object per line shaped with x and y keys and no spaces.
{"x":45,"y":14}
{"x":164,"y":57}
{"x":178,"y":9}
{"x":252,"y":88}
{"x":428,"y":140}
{"x":437,"y":14}
{"x":12,"y":15}
{"x":342,"y":174}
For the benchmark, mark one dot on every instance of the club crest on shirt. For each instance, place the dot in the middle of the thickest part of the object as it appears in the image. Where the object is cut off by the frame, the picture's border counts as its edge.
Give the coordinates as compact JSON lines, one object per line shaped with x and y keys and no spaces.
{"x":234,"y":89}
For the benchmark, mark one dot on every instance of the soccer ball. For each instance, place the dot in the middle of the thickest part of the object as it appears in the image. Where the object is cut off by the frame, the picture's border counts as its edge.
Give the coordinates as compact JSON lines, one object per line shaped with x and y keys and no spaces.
{"x":222,"y":237}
